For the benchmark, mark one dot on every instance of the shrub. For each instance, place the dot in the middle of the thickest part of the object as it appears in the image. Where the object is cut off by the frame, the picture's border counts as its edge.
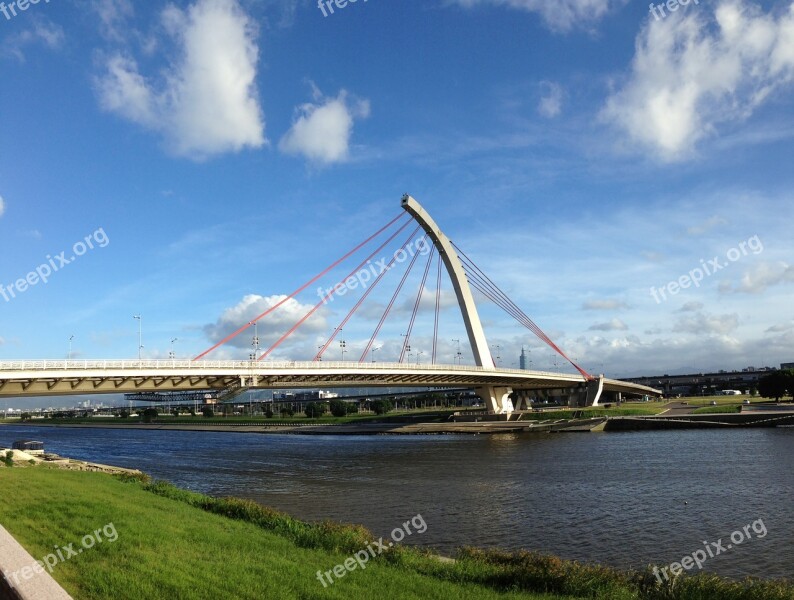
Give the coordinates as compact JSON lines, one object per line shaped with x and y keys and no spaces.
{"x":207,"y":412}
{"x":315,"y":410}
{"x":381,"y":407}
{"x":339,"y":408}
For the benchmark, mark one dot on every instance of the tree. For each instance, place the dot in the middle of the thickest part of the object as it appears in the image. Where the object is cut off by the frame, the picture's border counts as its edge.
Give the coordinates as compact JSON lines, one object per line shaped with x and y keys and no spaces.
{"x":315,"y":409}
{"x":286,"y":411}
{"x":381,"y":407}
{"x":26,"y":416}
{"x":208,"y":412}
{"x":149,"y":415}
{"x":339,"y":408}
{"x":269,"y":413}
{"x":776,"y":384}
{"x":124,"y":413}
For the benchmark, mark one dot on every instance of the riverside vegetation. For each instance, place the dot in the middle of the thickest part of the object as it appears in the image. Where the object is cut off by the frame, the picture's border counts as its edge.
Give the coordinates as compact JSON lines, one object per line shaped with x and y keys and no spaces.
{"x":177,"y":543}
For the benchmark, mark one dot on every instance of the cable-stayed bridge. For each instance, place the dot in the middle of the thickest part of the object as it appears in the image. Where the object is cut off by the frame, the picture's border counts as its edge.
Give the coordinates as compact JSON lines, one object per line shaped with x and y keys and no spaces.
{"x":502,"y":389}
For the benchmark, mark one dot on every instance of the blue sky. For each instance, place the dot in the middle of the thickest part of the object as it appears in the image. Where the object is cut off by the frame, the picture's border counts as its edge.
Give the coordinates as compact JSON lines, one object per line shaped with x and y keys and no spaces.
{"x":225,"y":151}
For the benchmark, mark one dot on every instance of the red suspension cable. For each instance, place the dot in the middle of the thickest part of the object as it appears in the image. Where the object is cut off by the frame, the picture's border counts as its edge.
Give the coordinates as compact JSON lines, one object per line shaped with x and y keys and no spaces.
{"x":416,"y":304}
{"x":511,"y":308}
{"x":303,"y":287}
{"x":389,"y":307}
{"x":334,"y":289}
{"x":438,"y":306}
{"x":319,"y":355}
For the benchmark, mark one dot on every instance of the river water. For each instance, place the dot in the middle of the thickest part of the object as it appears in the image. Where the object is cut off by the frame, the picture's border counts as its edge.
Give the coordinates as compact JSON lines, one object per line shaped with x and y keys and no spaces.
{"x":624,"y":499}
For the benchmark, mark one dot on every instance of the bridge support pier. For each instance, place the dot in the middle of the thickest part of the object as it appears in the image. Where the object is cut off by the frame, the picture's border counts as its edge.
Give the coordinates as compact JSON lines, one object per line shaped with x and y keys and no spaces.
{"x":497,"y":399}
{"x":594,"y":389}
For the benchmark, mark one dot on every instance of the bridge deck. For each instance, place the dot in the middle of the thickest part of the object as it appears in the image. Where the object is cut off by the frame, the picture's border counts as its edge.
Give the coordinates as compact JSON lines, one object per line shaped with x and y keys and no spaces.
{"x":65,"y":377}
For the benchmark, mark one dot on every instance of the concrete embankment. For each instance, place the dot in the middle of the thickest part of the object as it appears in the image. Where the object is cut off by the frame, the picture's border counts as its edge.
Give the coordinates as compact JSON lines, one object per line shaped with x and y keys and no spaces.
{"x":22,"y":576}
{"x":704,"y":421}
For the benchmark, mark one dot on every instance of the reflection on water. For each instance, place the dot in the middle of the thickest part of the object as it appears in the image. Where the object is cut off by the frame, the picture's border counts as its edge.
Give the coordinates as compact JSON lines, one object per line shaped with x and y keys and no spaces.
{"x":624,"y":499}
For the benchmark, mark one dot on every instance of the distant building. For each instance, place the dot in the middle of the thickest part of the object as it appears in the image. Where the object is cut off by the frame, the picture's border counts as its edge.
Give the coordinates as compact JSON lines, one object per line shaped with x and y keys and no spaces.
{"x":522,"y":361}
{"x":787,"y":365}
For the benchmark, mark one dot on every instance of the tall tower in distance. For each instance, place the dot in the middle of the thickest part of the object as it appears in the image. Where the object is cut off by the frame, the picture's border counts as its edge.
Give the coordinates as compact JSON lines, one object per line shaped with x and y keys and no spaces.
{"x":522,"y":362}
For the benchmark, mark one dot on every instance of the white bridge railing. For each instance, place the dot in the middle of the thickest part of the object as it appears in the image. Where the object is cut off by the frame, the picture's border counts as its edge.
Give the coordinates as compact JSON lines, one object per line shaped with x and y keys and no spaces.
{"x":248,"y":365}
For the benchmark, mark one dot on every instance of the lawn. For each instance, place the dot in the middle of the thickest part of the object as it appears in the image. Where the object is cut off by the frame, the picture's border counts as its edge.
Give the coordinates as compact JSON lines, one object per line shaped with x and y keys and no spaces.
{"x":169,"y":549}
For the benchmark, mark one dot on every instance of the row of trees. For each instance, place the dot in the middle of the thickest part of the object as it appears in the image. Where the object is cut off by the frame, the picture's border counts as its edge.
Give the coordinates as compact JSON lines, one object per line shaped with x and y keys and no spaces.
{"x":777,"y":384}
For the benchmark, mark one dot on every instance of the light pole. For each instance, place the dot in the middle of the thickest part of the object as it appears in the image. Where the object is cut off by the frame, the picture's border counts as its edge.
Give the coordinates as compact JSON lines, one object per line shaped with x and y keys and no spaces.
{"x":321,"y":356}
{"x":255,"y":341}
{"x":343,"y":345}
{"x":419,"y":353}
{"x":69,"y":356}
{"x":172,"y":354}
{"x":498,"y":349}
{"x":458,"y":355}
{"x":140,"y":334}
{"x":373,"y":352}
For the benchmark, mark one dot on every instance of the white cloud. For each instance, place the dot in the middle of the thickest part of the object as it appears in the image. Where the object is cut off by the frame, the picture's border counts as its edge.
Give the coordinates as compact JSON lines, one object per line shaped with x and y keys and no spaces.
{"x":607,"y":304}
{"x":692,"y":74}
{"x":706,"y":226}
{"x":691,"y":307}
{"x":272,"y":327}
{"x":613,"y":325}
{"x":559,"y":15}
{"x":112,"y":16}
{"x":550,"y":104}
{"x":321,"y":132}
{"x":41,"y":32}
{"x":780,"y":328}
{"x":207,"y":103}
{"x":761,"y":276}
{"x":703,"y":323}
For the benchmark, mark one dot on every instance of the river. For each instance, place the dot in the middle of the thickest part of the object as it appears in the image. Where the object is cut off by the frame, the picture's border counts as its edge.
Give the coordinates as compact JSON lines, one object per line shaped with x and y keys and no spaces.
{"x":624,"y":499}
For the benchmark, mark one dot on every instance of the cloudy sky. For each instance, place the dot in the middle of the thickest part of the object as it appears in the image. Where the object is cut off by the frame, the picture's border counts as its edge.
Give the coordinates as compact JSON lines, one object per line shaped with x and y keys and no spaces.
{"x":193,"y":162}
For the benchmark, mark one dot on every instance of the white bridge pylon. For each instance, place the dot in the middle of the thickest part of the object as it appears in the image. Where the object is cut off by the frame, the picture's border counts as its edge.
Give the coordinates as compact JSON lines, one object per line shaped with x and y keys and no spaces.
{"x":496,"y":398}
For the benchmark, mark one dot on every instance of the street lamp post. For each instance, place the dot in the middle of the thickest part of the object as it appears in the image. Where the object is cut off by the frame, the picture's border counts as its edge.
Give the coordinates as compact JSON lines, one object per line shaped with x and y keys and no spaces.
{"x":69,"y":356}
{"x":458,"y":355}
{"x":172,"y":354}
{"x":373,"y":353}
{"x":255,"y":341}
{"x":419,"y":353}
{"x":343,"y":345}
{"x":140,"y":334}
{"x":498,"y":350}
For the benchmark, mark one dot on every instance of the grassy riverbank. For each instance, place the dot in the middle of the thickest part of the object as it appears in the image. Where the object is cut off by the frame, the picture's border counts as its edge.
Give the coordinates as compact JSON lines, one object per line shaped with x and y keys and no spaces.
{"x":177,"y":544}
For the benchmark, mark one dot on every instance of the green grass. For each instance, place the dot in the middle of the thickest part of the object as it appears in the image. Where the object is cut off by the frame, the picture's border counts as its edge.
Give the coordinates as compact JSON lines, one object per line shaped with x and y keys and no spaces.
{"x":719,"y":409}
{"x":168,"y":547}
{"x":586,"y":413}
{"x":178,"y":544}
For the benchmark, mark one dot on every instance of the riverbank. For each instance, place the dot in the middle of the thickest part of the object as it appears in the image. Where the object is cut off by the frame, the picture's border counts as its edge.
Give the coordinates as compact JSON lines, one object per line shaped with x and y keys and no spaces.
{"x":593,"y":420}
{"x":169,"y":542}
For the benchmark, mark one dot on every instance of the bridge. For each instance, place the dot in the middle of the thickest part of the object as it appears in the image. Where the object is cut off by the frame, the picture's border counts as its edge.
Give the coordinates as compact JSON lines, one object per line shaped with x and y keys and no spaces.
{"x":503,"y":390}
